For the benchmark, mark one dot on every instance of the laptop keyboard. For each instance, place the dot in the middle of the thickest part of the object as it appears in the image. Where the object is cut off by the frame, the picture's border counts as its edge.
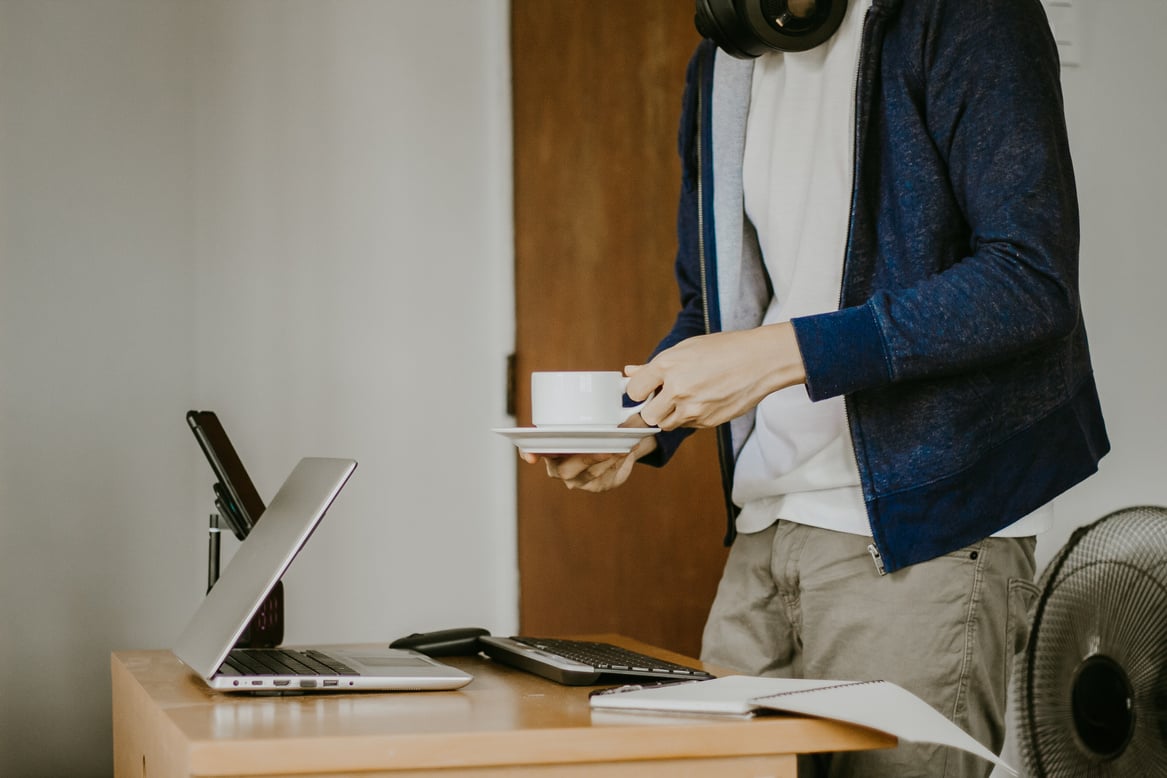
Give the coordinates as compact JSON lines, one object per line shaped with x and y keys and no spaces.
{"x":608,"y":658}
{"x":282,"y":661}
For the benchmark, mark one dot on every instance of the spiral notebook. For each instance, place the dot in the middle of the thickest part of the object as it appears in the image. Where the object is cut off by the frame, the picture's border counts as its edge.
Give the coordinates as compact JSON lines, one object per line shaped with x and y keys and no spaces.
{"x":879,"y":705}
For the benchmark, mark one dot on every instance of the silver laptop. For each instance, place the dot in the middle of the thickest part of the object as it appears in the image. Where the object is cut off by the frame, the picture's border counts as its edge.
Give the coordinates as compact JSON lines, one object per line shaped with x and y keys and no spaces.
{"x":263,"y":557}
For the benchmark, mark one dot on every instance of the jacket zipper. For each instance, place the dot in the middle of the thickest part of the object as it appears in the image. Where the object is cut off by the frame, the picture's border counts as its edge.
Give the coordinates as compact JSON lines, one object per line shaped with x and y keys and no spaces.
{"x":868,"y":22}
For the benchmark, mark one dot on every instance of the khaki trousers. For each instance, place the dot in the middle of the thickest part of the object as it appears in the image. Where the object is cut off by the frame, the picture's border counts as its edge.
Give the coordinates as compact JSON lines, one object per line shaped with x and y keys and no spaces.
{"x":799,"y":601}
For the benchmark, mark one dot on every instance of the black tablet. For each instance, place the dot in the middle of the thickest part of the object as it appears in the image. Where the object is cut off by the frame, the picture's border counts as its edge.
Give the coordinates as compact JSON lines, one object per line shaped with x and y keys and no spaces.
{"x":239,"y":504}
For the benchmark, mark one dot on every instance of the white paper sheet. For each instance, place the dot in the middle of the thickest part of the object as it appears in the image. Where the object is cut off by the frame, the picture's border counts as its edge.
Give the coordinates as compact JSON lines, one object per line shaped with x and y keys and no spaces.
{"x":879,"y":705}
{"x":884,"y":706}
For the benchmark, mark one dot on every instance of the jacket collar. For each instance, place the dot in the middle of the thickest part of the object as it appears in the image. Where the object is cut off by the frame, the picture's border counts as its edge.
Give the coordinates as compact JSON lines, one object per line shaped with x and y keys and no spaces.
{"x":887,"y":7}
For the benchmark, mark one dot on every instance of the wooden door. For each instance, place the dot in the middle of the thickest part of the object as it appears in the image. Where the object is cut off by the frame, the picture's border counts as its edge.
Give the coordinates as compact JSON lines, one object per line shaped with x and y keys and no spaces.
{"x":597,"y":97}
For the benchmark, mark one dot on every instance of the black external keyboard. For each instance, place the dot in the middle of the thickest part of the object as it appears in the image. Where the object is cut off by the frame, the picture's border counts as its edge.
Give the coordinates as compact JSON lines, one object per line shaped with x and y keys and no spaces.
{"x":282,"y":661}
{"x":582,"y":662}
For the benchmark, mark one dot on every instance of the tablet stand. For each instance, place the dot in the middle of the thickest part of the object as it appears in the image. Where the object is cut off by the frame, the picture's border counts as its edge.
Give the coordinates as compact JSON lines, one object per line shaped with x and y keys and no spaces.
{"x":266,"y":629}
{"x":214,"y":536}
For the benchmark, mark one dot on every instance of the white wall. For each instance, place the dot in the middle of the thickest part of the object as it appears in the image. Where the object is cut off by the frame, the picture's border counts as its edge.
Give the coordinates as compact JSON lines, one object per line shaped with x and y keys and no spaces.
{"x":297,"y":214}
{"x":354,"y":286}
{"x":1116,"y":108}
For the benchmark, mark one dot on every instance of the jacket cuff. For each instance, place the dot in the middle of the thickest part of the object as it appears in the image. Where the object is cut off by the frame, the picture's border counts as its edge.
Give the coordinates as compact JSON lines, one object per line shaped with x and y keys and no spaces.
{"x":842,"y":352}
{"x":667,"y":444}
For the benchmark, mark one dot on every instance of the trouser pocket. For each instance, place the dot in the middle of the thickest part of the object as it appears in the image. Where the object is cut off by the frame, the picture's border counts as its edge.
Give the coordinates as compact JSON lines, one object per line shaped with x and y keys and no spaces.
{"x":1022,"y":596}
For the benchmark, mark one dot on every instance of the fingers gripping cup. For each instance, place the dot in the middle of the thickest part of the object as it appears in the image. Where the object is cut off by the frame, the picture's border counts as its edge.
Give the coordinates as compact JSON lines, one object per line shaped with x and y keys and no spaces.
{"x":580,"y":399}
{"x":578,"y":413}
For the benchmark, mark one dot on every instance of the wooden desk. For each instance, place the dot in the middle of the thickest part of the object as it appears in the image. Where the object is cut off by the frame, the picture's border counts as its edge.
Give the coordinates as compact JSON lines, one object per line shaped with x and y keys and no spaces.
{"x":504,"y":723}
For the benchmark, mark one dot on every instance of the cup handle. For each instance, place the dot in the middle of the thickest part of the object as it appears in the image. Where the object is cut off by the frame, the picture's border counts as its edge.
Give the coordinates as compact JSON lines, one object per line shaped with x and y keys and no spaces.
{"x":630,"y":410}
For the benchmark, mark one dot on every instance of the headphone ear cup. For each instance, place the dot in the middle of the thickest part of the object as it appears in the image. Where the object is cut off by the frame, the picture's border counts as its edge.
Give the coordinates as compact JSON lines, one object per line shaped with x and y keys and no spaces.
{"x":826,"y":20}
{"x":721,"y":22}
{"x":740,"y":27}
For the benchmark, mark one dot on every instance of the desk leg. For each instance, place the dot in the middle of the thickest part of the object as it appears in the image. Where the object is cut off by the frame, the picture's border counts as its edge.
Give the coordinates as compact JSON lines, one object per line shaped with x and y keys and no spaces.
{"x":144,"y":743}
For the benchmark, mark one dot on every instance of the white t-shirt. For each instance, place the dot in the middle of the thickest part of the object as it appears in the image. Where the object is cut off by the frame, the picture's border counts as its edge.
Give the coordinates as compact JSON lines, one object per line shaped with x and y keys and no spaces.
{"x":799,"y":463}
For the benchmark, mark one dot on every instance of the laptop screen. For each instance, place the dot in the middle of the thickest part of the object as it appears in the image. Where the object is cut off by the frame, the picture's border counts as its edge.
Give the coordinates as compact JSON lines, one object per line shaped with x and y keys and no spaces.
{"x":261,"y":560}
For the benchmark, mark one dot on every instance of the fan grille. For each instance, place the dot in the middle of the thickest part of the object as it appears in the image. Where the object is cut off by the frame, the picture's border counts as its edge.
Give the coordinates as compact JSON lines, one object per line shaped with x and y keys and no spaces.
{"x":1093,"y":684}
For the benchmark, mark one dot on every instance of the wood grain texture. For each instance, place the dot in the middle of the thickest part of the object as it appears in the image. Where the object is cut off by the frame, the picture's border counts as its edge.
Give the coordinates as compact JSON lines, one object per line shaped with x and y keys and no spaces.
{"x":597,"y":95}
{"x":505,"y":722}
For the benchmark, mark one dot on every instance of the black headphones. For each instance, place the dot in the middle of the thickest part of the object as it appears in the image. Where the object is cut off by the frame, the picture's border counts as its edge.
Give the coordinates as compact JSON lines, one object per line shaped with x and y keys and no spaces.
{"x":749,"y":28}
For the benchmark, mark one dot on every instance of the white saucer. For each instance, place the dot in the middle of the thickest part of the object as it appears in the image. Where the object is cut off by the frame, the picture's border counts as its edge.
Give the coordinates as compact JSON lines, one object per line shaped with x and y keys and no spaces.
{"x":576,"y":440}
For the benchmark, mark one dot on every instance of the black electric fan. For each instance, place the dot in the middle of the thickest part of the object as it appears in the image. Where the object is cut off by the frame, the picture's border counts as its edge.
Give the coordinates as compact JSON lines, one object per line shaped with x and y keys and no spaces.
{"x":1091,"y":689}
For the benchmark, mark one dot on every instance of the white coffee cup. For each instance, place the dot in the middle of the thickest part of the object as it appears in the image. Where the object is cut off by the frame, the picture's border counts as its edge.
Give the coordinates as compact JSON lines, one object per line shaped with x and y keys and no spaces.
{"x":582,"y":398}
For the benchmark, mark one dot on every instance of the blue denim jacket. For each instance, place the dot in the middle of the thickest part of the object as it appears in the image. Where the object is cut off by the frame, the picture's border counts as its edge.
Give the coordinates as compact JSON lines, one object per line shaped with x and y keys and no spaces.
{"x":958,"y":342}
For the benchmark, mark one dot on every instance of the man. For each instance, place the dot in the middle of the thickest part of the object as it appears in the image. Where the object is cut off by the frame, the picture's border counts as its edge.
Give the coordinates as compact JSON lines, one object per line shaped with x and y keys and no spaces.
{"x":878,"y":248}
